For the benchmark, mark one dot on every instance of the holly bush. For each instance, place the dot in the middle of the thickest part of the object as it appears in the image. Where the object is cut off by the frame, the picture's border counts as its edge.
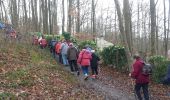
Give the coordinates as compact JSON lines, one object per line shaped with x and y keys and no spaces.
{"x":66,"y":35}
{"x":116,"y":56}
{"x":50,"y":37}
{"x":73,"y":39}
{"x":160,"y":65}
{"x":90,"y":43}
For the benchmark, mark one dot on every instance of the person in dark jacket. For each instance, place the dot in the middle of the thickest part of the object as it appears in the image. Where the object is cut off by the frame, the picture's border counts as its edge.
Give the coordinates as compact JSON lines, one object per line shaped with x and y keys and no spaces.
{"x":141,"y":80}
{"x":52,"y":47}
{"x":72,"y":55}
{"x":166,"y":79}
{"x":94,"y":64}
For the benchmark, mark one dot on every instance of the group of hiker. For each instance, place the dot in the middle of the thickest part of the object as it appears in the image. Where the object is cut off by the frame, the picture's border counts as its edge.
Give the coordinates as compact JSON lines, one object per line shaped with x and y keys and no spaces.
{"x":66,"y":53}
{"x":41,"y":41}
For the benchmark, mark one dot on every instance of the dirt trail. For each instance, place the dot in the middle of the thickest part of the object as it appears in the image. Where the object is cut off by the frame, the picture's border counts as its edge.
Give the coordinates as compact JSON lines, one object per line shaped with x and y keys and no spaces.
{"x":110,"y":92}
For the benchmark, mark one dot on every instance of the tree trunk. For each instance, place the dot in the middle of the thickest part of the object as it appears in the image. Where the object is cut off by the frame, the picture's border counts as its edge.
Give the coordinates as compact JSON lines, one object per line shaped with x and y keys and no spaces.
{"x":40,"y":16}
{"x":93,"y":18}
{"x":69,"y":16}
{"x":153,"y":26}
{"x":36,"y":15}
{"x":168,"y":25}
{"x":121,"y":28}
{"x":46,"y":17}
{"x":33,"y":16}
{"x":25,"y":11}
{"x":115,"y":33}
{"x":63,"y":19}
{"x":128,"y":30}
{"x":14,"y":14}
{"x":49,"y":14}
{"x":137,"y":35}
{"x":157,"y":37}
{"x":78,"y":17}
{"x":165,"y":34}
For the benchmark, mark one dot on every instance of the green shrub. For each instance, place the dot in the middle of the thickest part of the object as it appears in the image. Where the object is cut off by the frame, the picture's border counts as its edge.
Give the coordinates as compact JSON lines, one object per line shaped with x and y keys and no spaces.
{"x":115,"y":55}
{"x":160,"y":64}
{"x":36,"y":33}
{"x":73,"y":39}
{"x":66,"y":35}
{"x":90,"y":43}
{"x":50,"y":37}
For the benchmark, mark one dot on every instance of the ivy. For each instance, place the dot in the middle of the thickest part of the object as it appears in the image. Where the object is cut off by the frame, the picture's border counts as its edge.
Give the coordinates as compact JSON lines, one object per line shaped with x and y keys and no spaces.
{"x":116,"y":56}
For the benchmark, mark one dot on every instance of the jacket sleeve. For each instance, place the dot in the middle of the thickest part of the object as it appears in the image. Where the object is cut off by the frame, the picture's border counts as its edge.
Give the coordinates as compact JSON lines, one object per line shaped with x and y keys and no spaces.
{"x":135,"y":71}
{"x":79,"y":58}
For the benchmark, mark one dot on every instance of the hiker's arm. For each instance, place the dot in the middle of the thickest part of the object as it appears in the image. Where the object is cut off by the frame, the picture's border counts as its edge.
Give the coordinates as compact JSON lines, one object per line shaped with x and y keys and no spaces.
{"x":135,"y":72}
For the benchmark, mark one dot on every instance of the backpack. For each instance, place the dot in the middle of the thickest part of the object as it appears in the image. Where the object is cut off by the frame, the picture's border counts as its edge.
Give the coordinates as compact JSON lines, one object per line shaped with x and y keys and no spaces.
{"x":147,"y":69}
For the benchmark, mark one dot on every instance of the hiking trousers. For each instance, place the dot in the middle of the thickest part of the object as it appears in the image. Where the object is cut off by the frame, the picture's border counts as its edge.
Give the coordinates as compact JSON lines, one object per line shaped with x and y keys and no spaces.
{"x":73,"y":65}
{"x":85,"y":70}
{"x":64,"y":58}
{"x":145,"y":91}
{"x":94,"y":70}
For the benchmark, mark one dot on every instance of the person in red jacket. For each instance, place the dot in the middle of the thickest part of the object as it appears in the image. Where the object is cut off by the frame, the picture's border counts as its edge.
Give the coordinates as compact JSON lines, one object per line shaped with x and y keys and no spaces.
{"x":43,"y":43}
{"x":141,"y":80}
{"x":84,"y":61}
{"x":58,"y":52}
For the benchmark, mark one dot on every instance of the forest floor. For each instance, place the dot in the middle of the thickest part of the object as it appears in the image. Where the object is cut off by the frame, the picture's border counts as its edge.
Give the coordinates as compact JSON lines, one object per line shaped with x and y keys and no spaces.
{"x":28,"y":72}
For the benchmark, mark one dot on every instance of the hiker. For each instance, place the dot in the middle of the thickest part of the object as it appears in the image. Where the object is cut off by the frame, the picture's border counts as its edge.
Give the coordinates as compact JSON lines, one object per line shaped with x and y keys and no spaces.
{"x":94,"y":64}
{"x":35,"y":40}
{"x":52,"y":47}
{"x":43,"y":43}
{"x":84,"y":61}
{"x":39,"y":39}
{"x":88,"y":48}
{"x":64,"y":48}
{"x":19,"y":36}
{"x":12,"y":33}
{"x":141,"y":80}
{"x":58,"y":52}
{"x":166,"y":79}
{"x":72,"y":55}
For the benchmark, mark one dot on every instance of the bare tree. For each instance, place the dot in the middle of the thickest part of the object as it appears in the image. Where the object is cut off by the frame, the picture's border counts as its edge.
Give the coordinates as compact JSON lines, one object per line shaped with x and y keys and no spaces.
{"x":168,"y":24}
{"x":153,"y":26}
{"x":121,"y":28}
{"x":93,"y":18}
{"x":25,"y":11}
{"x":78,"y":17}
{"x":14,"y":13}
{"x":165,"y":33}
{"x":128,"y":30}
{"x":50,"y":17}
{"x":69,"y":16}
